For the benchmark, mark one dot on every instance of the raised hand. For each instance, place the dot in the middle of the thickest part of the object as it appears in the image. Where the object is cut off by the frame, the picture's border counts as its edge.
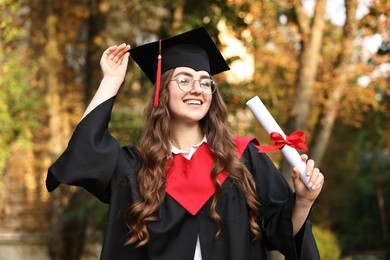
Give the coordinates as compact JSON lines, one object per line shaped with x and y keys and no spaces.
{"x":114,"y":65}
{"x":114,"y":61}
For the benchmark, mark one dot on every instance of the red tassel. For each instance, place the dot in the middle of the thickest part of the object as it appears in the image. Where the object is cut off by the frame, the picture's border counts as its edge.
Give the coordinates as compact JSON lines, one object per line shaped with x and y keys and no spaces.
{"x":158,"y":77}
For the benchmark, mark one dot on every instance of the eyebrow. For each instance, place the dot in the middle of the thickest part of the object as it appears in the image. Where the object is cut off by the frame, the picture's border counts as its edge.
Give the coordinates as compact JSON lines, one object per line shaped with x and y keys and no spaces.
{"x":184,"y":73}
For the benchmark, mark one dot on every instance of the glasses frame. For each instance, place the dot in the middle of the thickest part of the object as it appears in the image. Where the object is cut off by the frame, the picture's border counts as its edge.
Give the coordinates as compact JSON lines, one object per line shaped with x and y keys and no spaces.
{"x":213,"y":84}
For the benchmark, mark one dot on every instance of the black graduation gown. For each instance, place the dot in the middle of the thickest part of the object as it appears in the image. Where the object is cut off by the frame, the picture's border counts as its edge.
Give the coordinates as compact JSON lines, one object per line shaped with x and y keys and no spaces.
{"x":95,"y":161}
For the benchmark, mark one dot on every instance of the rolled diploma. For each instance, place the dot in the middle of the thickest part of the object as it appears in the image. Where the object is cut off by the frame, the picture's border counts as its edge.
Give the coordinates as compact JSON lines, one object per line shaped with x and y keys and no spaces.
{"x":269,"y":124}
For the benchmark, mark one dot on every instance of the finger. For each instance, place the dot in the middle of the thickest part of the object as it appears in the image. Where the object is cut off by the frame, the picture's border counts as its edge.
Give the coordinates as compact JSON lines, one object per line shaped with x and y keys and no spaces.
{"x":113,"y":54}
{"x":108,"y":51}
{"x":111,"y":48}
{"x":313,"y":177}
{"x":310,"y":172}
{"x":309,"y":167}
{"x":318,"y":186}
{"x":316,"y":179}
{"x":124,"y":50}
{"x":120,"y":51}
{"x":125,"y":58}
{"x":319,"y":181}
{"x":122,"y":46}
{"x":295,"y":174}
{"x":304,"y":157}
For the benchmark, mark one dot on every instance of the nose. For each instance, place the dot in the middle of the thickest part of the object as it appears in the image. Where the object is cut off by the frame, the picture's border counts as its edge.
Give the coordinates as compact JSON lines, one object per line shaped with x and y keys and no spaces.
{"x":196,"y":87}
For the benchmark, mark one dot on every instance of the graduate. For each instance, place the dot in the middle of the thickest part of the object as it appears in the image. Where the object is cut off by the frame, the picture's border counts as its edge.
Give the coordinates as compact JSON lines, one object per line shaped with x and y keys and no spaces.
{"x":190,"y":190}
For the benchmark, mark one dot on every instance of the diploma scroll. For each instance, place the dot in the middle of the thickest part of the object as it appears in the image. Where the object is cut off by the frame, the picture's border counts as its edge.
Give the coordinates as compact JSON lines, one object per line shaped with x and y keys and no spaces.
{"x":269,"y":124}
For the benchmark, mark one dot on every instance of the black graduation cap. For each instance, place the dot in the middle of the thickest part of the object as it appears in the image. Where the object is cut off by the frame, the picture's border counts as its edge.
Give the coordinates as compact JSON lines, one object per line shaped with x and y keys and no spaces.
{"x":193,"y":49}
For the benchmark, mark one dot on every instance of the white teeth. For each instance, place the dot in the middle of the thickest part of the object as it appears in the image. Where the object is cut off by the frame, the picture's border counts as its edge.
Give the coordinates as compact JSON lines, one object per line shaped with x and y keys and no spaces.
{"x":193,"y":102}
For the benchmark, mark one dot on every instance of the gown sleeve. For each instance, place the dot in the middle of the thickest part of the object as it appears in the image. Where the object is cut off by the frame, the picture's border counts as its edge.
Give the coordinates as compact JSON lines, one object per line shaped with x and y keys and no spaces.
{"x":277,"y":201}
{"x":90,"y":159}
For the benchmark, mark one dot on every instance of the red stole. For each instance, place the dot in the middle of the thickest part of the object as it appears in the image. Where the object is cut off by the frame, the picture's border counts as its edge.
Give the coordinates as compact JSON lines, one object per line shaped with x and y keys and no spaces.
{"x":189,"y":182}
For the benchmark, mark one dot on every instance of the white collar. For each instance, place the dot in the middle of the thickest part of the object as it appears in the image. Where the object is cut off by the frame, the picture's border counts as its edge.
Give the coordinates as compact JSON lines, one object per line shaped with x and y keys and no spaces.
{"x":187,"y":154}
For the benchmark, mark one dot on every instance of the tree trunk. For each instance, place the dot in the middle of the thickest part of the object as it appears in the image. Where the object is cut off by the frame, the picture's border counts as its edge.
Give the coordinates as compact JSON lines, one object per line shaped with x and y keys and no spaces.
{"x":58,"y":125}
{"x":20,"y":198}
{"x":307,"y":72}
{"x":325,"y":124}
{"x":57,"y":39}
{"x":310,"y":56}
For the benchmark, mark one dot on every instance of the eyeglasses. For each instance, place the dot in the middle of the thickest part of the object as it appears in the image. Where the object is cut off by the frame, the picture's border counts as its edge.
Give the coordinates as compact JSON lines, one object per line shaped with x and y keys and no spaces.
{"x":186,"y":84}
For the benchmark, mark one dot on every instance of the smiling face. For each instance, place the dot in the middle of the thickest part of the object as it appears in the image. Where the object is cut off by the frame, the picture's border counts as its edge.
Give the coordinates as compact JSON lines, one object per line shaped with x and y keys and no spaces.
{"x":188,"y":107}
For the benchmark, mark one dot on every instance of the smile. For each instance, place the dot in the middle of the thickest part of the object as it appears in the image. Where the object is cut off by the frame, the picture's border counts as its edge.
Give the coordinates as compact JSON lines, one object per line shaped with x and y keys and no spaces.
{"x":193,"y":102}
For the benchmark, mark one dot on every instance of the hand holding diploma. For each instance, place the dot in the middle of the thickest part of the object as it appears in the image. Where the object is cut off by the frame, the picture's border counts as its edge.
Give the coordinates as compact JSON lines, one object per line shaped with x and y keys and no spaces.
{"x":286,"y":144}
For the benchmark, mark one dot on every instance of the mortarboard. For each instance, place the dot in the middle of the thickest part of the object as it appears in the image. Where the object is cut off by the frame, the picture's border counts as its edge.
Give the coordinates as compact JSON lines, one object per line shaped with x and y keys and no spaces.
{"x":193,"y":49}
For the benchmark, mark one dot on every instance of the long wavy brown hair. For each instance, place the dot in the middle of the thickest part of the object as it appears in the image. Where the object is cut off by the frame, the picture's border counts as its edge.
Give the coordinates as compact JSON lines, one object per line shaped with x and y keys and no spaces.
{"x":155,"y":148}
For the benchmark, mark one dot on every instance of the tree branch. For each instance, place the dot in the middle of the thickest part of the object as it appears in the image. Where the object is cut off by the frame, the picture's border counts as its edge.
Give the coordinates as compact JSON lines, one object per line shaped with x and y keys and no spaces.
{"x":302,"y":20}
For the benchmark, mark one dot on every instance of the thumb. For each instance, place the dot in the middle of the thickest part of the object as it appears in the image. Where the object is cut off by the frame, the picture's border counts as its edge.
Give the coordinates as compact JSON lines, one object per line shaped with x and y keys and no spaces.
{"x":295,"y":174}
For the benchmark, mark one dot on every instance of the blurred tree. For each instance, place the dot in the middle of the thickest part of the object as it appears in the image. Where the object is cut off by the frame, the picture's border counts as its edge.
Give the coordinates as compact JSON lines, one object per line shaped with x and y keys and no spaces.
{"x":337,"y":93}
{"x":362,"y":102}
{"x":66,"y":39}
{"x":351,"y":194}
{"x":18,"y":106}
{"x":58,"y":38}
{"x":311,"y":34}
{"x":338,"y":83}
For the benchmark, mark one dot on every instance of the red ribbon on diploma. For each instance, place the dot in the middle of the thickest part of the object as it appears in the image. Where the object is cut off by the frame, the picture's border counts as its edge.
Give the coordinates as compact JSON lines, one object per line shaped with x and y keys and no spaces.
{"x":296,"y":140}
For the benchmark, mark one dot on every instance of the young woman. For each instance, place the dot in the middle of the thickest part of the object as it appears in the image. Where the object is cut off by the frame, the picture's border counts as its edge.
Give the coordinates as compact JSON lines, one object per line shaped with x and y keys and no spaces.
{"x":190,"y":190}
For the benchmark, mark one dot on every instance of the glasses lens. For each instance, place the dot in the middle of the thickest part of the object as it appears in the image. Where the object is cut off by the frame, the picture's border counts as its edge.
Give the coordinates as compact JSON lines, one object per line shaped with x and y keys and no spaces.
{"x":207,"y":86}
{"x":185,"y":83}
